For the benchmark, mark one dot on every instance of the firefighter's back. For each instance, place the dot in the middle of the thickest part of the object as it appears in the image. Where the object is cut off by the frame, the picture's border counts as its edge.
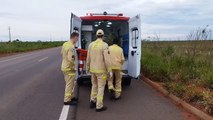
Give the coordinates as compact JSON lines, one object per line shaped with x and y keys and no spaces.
{"x":96,"y":54}
{"x":116,"y":56}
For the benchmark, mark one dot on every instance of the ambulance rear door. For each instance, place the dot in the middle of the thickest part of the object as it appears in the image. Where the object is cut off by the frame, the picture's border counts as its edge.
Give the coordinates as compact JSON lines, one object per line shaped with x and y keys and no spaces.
{"x":134,"y":59}
{"x":75,"y":26}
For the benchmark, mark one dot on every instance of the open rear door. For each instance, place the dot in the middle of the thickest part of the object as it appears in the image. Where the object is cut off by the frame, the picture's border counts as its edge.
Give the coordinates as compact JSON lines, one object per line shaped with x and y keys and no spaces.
{"x":75,"y":26}
{"x":134,"y":59}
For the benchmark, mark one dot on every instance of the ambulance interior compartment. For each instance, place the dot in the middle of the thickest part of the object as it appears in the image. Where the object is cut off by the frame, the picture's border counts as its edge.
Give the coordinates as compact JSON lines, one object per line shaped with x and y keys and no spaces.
{"x":112,"y":29}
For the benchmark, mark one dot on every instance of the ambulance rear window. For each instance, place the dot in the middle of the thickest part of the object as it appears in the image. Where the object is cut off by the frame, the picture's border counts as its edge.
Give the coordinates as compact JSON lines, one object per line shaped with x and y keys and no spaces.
{"x":135,"y":36}
{"x":112,"y":29}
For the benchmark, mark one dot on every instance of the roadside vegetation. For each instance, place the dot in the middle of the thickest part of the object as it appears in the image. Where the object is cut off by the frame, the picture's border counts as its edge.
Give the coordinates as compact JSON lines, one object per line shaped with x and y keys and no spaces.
{"x":18,"y":46}
{"x":185,"y":68}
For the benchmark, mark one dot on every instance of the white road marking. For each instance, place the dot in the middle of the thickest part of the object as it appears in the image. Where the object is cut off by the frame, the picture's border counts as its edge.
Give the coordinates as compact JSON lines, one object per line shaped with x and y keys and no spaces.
{"x":15,"y":58}
{"x":64,"y":112}
{"x":42,"y":59}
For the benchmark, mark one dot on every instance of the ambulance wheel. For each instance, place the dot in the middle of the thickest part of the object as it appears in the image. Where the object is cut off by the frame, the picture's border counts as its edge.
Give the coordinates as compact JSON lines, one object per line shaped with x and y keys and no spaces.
{"x":127,"y":81}
{"x":80,"y":82}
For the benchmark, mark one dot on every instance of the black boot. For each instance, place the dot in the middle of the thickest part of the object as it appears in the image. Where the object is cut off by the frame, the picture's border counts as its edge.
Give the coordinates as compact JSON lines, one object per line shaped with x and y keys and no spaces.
{"x":101,"y":109}
{"x":70,"y":103}
{"x":118,"y":98}
{"x":92,"y":105}
{"x":74,"y":99}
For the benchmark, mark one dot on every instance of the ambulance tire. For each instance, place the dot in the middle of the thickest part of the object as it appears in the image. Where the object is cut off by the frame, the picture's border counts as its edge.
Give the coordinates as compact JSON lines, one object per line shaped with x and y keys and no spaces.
{"x":127,"y":81}
{"x":80,"y":82}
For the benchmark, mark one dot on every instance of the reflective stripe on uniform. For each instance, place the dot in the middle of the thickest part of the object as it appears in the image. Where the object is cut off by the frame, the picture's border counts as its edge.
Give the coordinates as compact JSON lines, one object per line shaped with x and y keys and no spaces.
{"x":115,"y":67}
{"x":71,"y":74}
{"x":104,"y":77}
{"x":117,"y":90}
{"x":109,"y":69}
{"x":66,"y":69}
{"x":99,"y":97}
{"x":94,"y":93}
{"x":68,"y":94}
{"x":97,"y":71}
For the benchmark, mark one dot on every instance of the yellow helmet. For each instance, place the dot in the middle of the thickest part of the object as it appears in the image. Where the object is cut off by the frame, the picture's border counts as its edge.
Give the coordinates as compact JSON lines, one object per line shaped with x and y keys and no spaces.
{"x":100,"y":32}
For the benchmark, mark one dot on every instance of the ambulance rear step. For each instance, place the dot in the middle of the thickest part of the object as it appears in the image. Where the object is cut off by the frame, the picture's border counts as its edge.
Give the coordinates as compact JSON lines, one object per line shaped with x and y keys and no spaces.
{"x":86,"y":79}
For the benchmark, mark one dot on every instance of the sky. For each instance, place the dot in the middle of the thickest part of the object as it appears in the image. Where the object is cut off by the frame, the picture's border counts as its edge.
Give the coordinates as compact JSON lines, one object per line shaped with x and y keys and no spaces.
{"x":32,"y":20}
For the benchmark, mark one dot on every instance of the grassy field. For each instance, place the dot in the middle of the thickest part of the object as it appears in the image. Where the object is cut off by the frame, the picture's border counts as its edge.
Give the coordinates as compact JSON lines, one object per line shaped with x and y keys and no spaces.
{"x":11,"y":47}
{"x":185,"y":69}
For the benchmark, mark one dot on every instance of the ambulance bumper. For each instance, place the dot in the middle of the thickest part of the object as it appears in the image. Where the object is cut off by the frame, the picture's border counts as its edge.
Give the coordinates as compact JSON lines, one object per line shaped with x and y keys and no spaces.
{"x":86,"y":79}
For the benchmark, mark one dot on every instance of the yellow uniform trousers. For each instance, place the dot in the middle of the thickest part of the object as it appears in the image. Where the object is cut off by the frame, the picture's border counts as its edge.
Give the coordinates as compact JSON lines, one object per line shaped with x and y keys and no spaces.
{"x":117,"y":87}
{"x":98,"y":86}
{"x":70,"y":84}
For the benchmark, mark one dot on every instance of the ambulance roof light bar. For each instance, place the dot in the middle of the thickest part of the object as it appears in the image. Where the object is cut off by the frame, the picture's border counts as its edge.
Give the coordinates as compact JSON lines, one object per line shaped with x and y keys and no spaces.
{"x":105,"y":13}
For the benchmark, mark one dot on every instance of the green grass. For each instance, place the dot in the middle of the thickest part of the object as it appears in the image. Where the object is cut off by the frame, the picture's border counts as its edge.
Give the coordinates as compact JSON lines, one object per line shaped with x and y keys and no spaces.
{"x":181,"y":65}
{"x":11,"y":47}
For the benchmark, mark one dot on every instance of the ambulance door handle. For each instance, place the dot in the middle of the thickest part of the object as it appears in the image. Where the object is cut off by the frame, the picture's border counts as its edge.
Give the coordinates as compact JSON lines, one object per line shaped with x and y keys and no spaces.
{"x":133,"y":52}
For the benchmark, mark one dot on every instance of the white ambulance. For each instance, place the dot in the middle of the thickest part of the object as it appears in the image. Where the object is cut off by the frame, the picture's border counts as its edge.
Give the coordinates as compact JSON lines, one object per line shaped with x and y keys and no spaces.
{"x":127,"y":29}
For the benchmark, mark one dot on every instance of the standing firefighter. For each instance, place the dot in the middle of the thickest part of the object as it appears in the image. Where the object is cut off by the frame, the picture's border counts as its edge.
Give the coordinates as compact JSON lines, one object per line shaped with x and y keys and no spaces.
{"x":117,"y":60}
{"x":97,"y":65}
{"x":68,"y":68}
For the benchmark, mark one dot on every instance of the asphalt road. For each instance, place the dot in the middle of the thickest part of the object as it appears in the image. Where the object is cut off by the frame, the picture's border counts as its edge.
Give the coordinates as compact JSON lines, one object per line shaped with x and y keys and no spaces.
{"x":138,"y":102}
{"x":32,"y":88}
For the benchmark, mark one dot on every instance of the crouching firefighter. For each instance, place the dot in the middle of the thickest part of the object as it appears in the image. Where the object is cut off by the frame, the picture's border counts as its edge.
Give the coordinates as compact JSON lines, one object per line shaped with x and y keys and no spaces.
{"x":117,"y":60}
{"x":68,"y":68}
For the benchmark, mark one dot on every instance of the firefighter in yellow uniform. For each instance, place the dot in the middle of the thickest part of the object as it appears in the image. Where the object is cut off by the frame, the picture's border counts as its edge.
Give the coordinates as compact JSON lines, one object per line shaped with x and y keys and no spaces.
{"x":68,"y":68}
{"x":98,"y":66}
{"x":117,"y":60}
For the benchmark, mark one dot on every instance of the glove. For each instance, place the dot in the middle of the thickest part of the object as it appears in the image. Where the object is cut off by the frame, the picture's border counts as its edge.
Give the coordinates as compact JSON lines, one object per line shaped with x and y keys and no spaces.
{"x":110,"y":74}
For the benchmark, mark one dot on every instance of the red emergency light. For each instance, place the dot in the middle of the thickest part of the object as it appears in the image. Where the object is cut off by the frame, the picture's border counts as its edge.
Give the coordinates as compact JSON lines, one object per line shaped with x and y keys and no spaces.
{"x":105,"y":16}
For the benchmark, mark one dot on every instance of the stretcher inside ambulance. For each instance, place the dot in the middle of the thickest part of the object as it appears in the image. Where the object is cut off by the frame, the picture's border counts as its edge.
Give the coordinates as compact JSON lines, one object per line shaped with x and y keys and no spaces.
{"x":114,"y":26}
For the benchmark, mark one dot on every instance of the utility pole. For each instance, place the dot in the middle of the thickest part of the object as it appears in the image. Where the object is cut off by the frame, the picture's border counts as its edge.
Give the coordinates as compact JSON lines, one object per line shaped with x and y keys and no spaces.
{"x":9,"y":34}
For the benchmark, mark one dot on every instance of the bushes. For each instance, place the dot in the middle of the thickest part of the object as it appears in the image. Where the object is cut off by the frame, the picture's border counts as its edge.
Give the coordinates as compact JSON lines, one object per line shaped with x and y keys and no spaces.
{"x":187,"y":75}
{"x":177,"y":89}
{"x":167,"y":51}
{"x":10,"y":47}
{"x":164,"y":62}
{"x":207,"y":79}
{"x":154,"y":66}
{"x":208,"y":102}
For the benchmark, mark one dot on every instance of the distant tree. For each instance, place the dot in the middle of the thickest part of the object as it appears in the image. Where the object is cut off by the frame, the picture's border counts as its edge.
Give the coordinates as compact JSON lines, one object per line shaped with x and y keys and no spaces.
{"x":16,"y":40}
{"x":200,"y":34}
